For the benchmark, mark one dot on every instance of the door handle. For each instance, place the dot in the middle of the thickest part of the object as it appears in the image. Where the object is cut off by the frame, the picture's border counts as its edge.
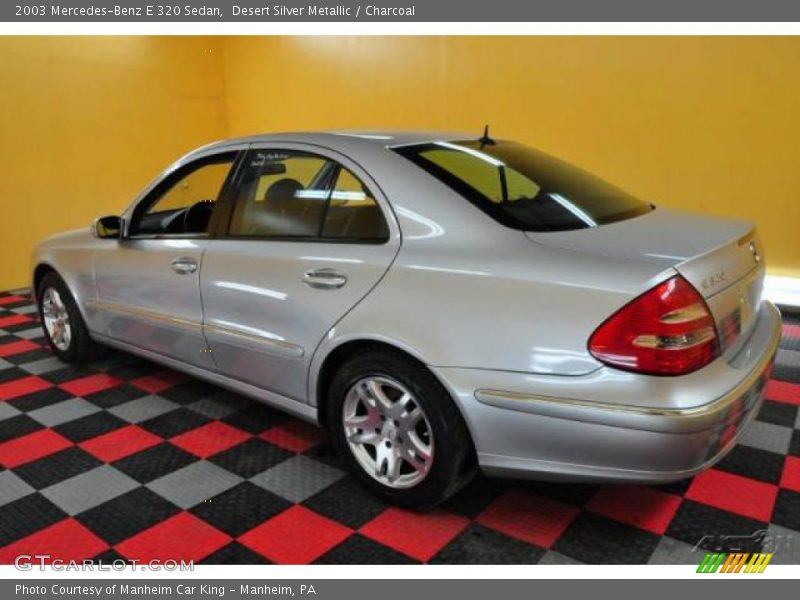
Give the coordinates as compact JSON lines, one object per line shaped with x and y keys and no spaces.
{"x":184,"y":265}
{"x":324,"y":279}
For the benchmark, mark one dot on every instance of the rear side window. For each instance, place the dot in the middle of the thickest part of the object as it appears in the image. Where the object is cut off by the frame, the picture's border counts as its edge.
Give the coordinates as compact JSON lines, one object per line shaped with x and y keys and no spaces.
{"x":291,"y":194}
{"x":352,"y":211}
{"x":523,"y":188}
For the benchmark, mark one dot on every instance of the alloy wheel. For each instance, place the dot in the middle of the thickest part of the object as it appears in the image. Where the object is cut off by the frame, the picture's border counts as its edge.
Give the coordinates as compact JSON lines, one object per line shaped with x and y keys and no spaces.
{"x":388,"y":432}
{"x":56,"y":319}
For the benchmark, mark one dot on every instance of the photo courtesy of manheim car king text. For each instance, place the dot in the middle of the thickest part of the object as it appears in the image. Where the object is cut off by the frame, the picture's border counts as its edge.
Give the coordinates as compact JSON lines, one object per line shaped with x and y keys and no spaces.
{"x":444,"y":298}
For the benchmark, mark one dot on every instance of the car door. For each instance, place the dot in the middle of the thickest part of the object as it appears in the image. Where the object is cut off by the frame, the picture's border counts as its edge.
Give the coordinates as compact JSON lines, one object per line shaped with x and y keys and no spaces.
{"x":148,"y":287}
{"x":307,"y":237}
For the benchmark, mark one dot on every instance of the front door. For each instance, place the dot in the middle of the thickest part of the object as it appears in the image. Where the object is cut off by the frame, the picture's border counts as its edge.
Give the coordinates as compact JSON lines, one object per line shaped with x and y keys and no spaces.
{"x":148,"y":283}
{"x":307,"y":238}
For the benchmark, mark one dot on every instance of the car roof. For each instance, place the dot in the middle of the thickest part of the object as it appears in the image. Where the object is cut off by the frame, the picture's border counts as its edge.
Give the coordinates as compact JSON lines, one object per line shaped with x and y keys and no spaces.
{"x":382,"y":138}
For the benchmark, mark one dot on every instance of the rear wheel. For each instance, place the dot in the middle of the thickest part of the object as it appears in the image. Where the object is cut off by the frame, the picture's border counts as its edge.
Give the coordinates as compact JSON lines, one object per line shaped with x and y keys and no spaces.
{"x":398,"y":429}
{"x":62,"y":322}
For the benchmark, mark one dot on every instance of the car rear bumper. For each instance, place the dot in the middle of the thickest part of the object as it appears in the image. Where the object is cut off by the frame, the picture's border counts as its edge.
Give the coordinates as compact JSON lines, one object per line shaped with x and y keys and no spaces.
{"x":615,"y":426}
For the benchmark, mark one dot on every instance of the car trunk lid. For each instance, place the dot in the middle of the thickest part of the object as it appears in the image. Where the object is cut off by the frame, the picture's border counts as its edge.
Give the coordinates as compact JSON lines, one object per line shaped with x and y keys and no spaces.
{"x":721,"y":258}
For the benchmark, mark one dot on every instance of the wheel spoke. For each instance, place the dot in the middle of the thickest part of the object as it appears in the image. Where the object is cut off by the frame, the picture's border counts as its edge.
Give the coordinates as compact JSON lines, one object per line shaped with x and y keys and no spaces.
{"x":415,"y":461}
{"x":387,"y":464}
{"x":409,"y":420}
{"x":377,"y":393}
{"x":368,"y":437}
{"x":393,"y":464}
{"x":419,"y":448}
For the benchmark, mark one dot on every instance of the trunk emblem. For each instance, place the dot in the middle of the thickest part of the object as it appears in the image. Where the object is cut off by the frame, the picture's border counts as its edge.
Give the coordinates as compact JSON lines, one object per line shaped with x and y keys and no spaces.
{"x":754,"y":252}
{"x":713,"y":280}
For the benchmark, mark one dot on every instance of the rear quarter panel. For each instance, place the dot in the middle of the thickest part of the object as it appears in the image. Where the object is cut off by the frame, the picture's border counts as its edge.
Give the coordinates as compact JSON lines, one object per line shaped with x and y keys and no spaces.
{"x":487,"y":298}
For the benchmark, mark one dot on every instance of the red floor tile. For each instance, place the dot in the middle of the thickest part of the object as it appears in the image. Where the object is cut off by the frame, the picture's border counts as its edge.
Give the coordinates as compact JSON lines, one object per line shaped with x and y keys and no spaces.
{"x":120,"y":443}
{"x":67,"y":540}
{"x":642,"y":507}
{"x":419,"y":535}
{"x":19,"y":347}
{"x":294,"y":435}
{"x":33,"y":446}
{"x":13,"y":300}
{"x":791,"y":330}
{"x":158,"y":382}
{"x":182,"y":537}
{"x":734,"y":493}
{"x":91,"y":384}
{"x":790,"y":479}
{"x":209,"y":439}
{"x":783,"y":391}
{"x":296,"y":536}
{"x":15,"y":320}
{"x":529,"y":517}
{"x":21,"y":387}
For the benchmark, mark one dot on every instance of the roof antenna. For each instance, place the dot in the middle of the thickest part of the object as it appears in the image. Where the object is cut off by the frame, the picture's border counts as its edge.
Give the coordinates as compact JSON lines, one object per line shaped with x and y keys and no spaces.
{"x":485,"y":140}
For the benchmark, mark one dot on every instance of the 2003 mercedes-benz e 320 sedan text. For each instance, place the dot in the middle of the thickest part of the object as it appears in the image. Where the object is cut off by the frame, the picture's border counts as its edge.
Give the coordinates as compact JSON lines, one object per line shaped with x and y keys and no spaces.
{"x":438,"y":303}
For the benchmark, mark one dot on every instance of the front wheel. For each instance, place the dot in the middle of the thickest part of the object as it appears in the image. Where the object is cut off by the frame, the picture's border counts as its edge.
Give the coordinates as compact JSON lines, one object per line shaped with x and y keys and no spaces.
{"x":62,"y":322}
{"x":398,"y":429}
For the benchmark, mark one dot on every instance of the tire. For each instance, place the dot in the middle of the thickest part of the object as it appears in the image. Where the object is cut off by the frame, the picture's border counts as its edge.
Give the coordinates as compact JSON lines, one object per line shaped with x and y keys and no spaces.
{"x":77,"y":347}
{"x":417,"y":483}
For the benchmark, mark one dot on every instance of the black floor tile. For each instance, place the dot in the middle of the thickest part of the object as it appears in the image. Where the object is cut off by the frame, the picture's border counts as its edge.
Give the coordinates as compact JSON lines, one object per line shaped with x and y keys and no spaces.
{"x":595,"y":540}
{"x":57,"y":467}
{"x":241,"y":508}
{"x":155,"y":462}
{"x":26,"y":516}
{"x":251,"y":457}
{"x":362,"y":551}
{"x":347,"y":502}
{"x":715,"y":530}
{"x":479,"y":545}
{"x":127,"y":515}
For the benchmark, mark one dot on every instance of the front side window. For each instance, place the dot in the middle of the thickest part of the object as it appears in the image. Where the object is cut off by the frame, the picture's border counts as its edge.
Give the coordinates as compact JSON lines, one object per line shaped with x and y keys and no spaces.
{"x":523,"y":188}
{"x":184,"y":201}
{"x":293,"y":194}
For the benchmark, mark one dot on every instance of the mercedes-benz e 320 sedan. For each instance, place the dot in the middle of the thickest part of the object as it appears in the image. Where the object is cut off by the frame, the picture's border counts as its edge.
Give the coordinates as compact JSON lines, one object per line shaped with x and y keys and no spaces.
{"x":438,"y":303}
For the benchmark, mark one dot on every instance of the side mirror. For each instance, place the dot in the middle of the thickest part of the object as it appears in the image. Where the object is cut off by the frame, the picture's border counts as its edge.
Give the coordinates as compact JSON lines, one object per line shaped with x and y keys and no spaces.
{"x":109,"y":227}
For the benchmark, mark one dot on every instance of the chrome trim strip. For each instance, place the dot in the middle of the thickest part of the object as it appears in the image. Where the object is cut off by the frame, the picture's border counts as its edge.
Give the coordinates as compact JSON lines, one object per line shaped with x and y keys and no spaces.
{"x":282,"y":346}
{"x":145,"y":314}
{"x":527,"y":402}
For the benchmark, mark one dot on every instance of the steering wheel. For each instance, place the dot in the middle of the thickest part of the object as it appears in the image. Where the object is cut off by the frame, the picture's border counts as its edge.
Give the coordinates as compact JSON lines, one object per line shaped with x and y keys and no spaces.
{"x":196,"y":217}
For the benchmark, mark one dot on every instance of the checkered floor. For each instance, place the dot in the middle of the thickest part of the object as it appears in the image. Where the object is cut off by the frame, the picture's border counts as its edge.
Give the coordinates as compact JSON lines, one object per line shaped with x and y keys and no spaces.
{"x":124,"y":459}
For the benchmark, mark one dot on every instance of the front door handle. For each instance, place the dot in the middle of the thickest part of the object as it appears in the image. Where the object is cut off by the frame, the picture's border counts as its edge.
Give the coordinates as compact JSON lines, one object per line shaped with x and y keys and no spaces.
{"x":184,"y":265}
{"x":324,"y":279}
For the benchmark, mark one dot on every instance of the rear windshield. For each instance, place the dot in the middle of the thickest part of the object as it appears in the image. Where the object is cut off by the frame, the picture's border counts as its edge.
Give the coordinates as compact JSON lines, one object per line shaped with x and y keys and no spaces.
{"x":524,"y":188}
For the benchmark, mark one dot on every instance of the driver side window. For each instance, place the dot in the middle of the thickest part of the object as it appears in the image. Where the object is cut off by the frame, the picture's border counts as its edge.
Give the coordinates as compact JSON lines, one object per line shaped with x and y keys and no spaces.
{"x":182,"y":204}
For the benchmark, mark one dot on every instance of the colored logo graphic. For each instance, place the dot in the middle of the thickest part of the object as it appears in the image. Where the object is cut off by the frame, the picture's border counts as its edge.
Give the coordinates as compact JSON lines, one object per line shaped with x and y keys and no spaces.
{"x":722,"y":562}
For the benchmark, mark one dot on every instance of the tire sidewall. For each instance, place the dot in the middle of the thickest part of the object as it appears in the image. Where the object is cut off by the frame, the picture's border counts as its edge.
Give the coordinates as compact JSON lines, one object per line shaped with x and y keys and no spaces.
{"x":429,"y":394}
{"x":52,"y":280}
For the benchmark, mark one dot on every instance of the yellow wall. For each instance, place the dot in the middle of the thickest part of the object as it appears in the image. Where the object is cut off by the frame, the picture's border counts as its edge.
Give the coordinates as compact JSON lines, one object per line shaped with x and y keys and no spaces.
{"x":708,"y":124}
{"x":701,"y":123}
{"x":86,"y":122}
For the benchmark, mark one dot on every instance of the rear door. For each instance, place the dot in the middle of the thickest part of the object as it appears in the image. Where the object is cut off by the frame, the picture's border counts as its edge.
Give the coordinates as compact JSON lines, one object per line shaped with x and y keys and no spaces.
{"x":308,"y":235}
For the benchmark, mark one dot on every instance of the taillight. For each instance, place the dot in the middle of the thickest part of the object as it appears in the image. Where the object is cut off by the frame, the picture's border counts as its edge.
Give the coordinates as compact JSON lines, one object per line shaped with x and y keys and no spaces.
{"x":665,"y":331}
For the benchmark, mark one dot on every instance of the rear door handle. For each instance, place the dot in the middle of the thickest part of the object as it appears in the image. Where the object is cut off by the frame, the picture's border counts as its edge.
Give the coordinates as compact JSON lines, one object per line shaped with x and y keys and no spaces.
{"x":184,"y":265}
{"x":324,"y":279}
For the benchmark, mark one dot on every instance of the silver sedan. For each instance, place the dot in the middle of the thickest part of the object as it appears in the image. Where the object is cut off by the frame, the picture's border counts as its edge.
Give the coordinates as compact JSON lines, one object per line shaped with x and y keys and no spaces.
{"x":439,"y":303}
